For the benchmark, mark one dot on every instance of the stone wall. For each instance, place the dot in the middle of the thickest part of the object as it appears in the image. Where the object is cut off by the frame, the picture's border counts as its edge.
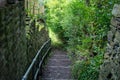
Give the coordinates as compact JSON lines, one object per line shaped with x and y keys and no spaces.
{"x":18,"y":43}
{"x":13,"y":59}
{"x":110,"y":69}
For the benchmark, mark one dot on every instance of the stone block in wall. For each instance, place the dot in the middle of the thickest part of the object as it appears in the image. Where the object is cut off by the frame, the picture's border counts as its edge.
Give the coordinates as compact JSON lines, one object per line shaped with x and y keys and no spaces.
{"x":116,"y":10}
{"x":107,"y":55}
{"x":109,"y":48}
{"x":106,"y":70}
{"x":110,"y":36}
{"x":114,"y":22}
{"x":117,"y":36}
{"x":113,"y":29}
{"x":2,"y":3}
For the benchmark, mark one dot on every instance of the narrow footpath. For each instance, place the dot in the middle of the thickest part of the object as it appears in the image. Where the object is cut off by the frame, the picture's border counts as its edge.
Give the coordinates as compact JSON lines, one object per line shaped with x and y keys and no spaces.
{"x":58,"y":67}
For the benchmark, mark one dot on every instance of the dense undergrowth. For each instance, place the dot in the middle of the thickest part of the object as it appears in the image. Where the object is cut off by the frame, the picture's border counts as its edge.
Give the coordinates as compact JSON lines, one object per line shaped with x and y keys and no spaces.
{"x":81,"y":27}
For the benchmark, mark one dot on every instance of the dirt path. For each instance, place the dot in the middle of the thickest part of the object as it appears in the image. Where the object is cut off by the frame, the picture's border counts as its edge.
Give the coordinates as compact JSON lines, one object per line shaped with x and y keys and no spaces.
{"x":58,"y":67}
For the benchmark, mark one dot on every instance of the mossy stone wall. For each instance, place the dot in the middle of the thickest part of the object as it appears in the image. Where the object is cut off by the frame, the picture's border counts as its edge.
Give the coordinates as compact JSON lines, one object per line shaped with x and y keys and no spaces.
{"x":110,"y":69}
{"x":19,"y":43}
{"x":13,"y":59}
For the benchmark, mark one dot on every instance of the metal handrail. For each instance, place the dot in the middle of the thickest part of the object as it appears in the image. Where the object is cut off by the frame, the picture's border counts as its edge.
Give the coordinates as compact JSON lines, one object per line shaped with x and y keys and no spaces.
{"x":40,"y":64}
{"x":39,"y":53}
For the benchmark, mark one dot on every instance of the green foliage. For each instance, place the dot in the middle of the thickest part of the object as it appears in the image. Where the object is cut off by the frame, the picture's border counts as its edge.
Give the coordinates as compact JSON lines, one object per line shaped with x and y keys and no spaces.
{"x":87,"y":69}
{"x":83,"y":30}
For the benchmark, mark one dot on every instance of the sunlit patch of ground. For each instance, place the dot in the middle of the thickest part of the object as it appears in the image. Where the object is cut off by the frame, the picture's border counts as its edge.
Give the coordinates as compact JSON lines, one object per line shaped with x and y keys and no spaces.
{"x":54,"y":38}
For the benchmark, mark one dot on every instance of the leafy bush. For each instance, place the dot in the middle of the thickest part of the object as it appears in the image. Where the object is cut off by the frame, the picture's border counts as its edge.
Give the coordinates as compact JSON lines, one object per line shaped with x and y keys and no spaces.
{"x":87,"y":69}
